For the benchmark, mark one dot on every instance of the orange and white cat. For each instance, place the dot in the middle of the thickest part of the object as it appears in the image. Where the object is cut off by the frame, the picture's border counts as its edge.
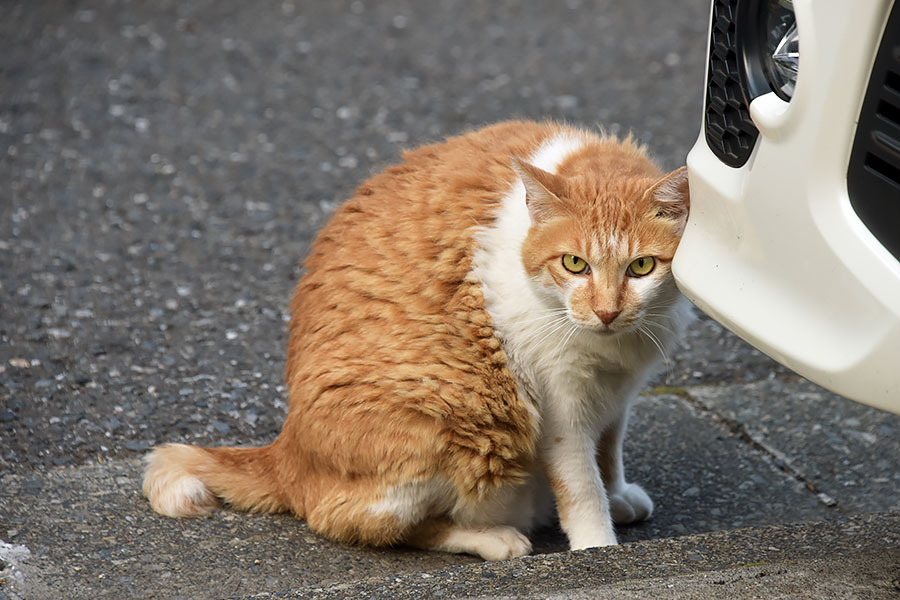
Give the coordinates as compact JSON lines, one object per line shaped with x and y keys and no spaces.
{"x":464,"y":346}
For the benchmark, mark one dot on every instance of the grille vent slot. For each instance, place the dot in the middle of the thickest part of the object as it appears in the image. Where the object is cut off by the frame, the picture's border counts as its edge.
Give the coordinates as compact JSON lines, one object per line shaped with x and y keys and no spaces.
{"x":889,"y":112}
{"x":883,"y":168}
{"x":873,"y":174}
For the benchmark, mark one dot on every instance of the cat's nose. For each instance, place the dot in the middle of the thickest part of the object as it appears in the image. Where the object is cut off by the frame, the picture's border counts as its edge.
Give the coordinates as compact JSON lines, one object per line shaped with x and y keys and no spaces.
{"x":608,"y":316}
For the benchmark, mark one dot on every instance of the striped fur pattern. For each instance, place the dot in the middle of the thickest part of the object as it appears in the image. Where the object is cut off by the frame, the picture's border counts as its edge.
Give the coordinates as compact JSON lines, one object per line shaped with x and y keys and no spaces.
{"x":450,"y":379}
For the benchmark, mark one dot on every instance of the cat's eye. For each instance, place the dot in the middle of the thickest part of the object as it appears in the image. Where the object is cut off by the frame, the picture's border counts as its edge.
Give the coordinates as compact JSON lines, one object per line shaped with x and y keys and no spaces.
{"x":573,"y":264}
{"x":641,"y":266}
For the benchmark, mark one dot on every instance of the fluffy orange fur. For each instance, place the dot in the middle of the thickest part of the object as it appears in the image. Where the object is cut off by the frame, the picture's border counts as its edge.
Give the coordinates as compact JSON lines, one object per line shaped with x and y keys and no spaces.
{"x":394,"y":370}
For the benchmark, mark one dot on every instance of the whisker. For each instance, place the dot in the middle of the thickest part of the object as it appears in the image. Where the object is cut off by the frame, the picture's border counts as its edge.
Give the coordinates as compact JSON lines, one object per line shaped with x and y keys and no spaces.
{"x":660,"y":314}
{"x":666,"y":327}
{"x":656,"y":342}
{"x":543,"y":327}
{"x":649,"y":323}
{"x":663,"y":306}
{"x":562,"y":347}
{"x":554,"y":319}
{"x":666,"y":315}
{"x":548,"y":334}
{"x":547,"y":316}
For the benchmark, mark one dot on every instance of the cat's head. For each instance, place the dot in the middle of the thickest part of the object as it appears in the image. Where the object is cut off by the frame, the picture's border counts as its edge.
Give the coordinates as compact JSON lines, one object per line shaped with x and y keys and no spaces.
{"x":604,"y":229}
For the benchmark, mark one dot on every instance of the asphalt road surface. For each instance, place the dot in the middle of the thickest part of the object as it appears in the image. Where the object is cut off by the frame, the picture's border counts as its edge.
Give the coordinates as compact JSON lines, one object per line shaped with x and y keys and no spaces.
{"x":166,"y":165}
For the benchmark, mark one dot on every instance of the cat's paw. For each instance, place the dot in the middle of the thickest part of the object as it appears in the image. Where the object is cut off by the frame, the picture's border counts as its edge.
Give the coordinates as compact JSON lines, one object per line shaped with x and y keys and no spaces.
{"x":500,"y":543}
{"x":490,"y":543}
{"x":599,"y":540}
{"x":629,"y":503}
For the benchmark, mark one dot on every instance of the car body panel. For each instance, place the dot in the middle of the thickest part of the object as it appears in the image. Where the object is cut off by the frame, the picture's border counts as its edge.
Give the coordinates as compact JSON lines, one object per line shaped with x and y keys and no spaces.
{"x":774,"y":250}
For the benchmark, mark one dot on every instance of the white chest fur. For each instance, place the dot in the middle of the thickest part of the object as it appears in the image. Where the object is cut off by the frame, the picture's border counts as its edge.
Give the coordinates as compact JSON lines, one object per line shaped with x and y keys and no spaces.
{"x":578,"y":380}
{"x":552,"y":358}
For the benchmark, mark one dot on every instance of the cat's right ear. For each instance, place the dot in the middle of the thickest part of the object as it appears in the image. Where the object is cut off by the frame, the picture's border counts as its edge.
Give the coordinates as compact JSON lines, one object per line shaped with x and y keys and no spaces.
{"x":672,"y":197}
{"x":543,"y":202}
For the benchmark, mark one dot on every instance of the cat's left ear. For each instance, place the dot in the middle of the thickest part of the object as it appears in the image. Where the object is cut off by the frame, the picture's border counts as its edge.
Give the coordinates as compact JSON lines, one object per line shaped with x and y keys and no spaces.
{"x":671,"y":197}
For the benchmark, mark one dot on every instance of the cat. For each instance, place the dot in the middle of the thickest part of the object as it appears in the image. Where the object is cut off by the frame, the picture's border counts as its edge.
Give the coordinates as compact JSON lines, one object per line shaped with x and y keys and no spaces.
{"x":464,"y":346}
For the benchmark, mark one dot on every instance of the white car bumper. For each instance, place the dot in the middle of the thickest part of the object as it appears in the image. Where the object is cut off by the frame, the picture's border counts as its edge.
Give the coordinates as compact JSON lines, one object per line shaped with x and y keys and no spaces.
{"x":774,"y":249}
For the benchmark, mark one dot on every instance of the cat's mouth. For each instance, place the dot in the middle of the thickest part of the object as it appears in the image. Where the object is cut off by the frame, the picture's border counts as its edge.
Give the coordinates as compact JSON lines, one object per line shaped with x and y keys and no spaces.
{"x":613,"y":329}
{"x":620,"y":325}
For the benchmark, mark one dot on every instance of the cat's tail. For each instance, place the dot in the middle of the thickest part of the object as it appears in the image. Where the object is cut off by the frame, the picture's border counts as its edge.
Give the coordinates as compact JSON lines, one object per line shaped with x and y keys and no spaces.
{"x":183,"y":481}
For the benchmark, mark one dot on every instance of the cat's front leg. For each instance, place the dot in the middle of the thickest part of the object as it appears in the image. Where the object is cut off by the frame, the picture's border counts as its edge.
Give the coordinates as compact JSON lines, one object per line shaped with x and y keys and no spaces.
{"x":628,"y":502}
{"x":581,"y":502}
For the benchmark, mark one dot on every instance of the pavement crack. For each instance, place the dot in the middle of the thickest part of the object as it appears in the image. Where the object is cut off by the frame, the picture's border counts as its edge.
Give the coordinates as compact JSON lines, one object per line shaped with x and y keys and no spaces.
{"x":770,"y":455}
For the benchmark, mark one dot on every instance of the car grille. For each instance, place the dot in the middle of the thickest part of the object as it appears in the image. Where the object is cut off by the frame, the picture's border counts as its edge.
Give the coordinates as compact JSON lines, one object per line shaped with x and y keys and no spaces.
{"x":730,"y":133}
{"x":873,"y":176}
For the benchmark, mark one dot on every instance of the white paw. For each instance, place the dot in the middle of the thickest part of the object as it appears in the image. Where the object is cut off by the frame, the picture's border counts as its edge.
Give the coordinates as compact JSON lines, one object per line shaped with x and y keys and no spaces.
{"x":580,"y":542}
{"x":499,"y":543}
{"x":629,"y":503}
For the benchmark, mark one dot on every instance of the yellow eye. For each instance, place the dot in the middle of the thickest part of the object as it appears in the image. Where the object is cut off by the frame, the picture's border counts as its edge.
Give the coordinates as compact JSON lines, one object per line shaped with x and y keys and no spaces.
{"x":574,"y":264}
{"x":641,"y":266}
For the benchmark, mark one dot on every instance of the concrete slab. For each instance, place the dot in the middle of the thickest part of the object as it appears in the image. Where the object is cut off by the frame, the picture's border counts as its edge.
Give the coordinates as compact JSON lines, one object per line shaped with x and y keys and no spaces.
{"x":90,"y":533}
{"x":856,"y":559}
{"x":843,"y":449}
{"x":702,"y":477}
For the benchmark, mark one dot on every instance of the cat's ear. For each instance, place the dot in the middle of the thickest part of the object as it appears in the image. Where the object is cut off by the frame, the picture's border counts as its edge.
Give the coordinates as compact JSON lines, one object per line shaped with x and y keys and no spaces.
{"x":542,"y":190}
{"x":671,"y":197}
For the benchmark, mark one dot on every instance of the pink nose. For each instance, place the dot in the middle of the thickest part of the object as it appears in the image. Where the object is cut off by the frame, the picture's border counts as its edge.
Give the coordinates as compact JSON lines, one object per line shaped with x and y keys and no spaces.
{"x":608,"y":317}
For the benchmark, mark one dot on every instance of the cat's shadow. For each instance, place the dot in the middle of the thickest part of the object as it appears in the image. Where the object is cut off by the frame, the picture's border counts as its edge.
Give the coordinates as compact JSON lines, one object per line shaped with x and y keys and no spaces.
{"x":551,"y":538}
